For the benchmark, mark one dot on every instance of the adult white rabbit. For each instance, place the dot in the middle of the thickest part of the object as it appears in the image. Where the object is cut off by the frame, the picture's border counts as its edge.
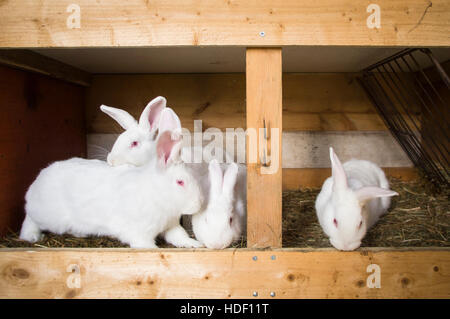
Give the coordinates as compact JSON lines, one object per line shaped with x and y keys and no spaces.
{"x":170,"y":122}
{"x":133,"y":204}
{"x":221,"y":223}
{"x":351,"y":201}
{"x":137,"y":144}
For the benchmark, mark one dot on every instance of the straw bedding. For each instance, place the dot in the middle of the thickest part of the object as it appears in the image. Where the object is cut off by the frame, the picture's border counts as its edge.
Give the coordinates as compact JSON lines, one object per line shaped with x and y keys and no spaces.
{"x":418,"y":218}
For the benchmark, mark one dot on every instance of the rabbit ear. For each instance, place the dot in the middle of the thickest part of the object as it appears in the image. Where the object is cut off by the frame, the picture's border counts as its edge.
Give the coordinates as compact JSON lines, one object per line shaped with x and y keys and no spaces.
{"x":367,"y":193}
{"x":169,"y":121}
{"x":338,"y":173}
{"x":122,"y":117}
{"x":229,"y":179}
{"x":149,"y":119}
{"x":168,"y":149}
{"x":215,"y":178}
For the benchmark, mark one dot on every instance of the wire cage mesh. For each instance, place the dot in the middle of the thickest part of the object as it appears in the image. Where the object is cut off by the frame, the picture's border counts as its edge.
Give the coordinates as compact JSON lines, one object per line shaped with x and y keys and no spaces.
{"x":411,"y":92}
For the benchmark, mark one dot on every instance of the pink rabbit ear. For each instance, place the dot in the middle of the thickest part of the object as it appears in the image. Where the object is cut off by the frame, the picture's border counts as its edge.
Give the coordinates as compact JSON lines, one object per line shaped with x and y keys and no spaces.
{"x":120,"y":116}
{"x":168,"y":149}
{"x":367,"y":193}
{"x":338,"y":173}
{"x":215,"y":178}
{"x":149,"y":119}
{"x":169,"y":121}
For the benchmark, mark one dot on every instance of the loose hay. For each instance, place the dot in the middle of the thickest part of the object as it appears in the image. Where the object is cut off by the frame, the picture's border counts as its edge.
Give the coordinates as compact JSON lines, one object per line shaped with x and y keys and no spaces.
{"x":417,"y":218}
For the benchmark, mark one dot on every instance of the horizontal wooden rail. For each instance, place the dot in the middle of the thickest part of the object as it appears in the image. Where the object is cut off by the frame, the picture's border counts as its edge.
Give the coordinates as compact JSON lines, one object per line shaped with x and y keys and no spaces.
{"x":174,"y":273}
{"x":31,"y":61}
{"x":114,"y":23}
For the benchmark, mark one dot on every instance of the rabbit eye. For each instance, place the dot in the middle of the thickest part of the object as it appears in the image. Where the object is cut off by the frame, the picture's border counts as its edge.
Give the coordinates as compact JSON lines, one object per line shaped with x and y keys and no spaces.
{"x":335,"y":222}
{"x":360,"y":224}
{"x":231,"y":220}
{"x":134,"y":144}
{"x":180,"y":182}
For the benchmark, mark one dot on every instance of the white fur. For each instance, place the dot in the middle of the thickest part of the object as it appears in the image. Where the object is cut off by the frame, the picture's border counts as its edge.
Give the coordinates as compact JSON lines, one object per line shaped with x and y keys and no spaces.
{"x":222,"y":221}
{"x":225,"y":233}
{"x":134,"y":204}
{"x":144,"y":133}
{"x":357,"y":191}
{"x":154,"y":120}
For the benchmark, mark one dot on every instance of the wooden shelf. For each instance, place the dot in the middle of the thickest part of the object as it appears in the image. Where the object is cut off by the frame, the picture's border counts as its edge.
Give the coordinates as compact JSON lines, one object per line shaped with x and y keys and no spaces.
{"x":230,"y":273}
{"x":137,"y":23}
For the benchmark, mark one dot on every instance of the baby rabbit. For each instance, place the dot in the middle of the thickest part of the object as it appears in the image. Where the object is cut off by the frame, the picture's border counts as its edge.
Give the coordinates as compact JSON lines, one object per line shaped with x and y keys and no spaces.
{"x":221,"y":223}
{"x":351,"y":201}
{"x":134,"y":204}
{"x":137,"y":144}
{"x":216,"y":230}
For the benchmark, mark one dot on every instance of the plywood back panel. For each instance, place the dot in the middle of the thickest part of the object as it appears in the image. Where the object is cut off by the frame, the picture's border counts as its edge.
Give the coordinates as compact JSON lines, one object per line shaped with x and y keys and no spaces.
{"x":41,"y":120}
{"x":311,"y":102}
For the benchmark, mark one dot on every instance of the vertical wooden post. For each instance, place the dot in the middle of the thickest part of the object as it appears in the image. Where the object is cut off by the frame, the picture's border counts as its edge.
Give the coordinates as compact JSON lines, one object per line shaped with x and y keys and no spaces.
{"x":264,"y":109}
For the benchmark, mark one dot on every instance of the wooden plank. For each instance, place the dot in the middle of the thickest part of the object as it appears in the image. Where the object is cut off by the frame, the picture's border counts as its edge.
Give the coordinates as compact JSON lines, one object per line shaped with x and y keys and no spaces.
{"x":32,"y":61}
{"x":173,"y":273}
{"x":298,"y":178}
{"x":311,"y":102}
{"x":236,"y":22}
{"x":300,"y":149}
{"x":42,"y":120}
{"x":264,"y":110}
{"x":311,"y":149}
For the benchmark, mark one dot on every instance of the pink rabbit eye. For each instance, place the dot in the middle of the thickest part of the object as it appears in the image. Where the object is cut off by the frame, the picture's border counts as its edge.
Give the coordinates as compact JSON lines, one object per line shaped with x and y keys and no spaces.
{"x":134,"y":144}
{"x":335,"y":222}
{"x":180,"y":182}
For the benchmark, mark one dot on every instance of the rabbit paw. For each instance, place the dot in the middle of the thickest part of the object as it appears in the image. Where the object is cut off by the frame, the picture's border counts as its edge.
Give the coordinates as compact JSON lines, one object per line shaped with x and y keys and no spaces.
{"x":192,"y":243}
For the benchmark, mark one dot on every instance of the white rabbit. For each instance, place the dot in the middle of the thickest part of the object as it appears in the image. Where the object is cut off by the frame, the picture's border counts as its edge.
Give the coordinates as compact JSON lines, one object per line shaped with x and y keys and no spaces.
{"x":170,"y":122}
{"x":223,"y":220}
{"x":215,"y":231}
{"x":351,"y":201}
{"x":137,"y":144}
{"x":134,"y":204}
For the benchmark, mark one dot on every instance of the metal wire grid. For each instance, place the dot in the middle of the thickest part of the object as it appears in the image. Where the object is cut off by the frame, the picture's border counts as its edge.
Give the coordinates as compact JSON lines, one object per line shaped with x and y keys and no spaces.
{"x":413,"y":101}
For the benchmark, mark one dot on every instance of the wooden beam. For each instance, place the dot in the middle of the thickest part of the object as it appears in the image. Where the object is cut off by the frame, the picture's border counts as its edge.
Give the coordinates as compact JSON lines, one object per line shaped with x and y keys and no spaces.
{"x":230,"y":273}
{"x":116,"y":23}
{"x":35,"y":62}
{"x":298,"y":178}
{"x":264,"y":111}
